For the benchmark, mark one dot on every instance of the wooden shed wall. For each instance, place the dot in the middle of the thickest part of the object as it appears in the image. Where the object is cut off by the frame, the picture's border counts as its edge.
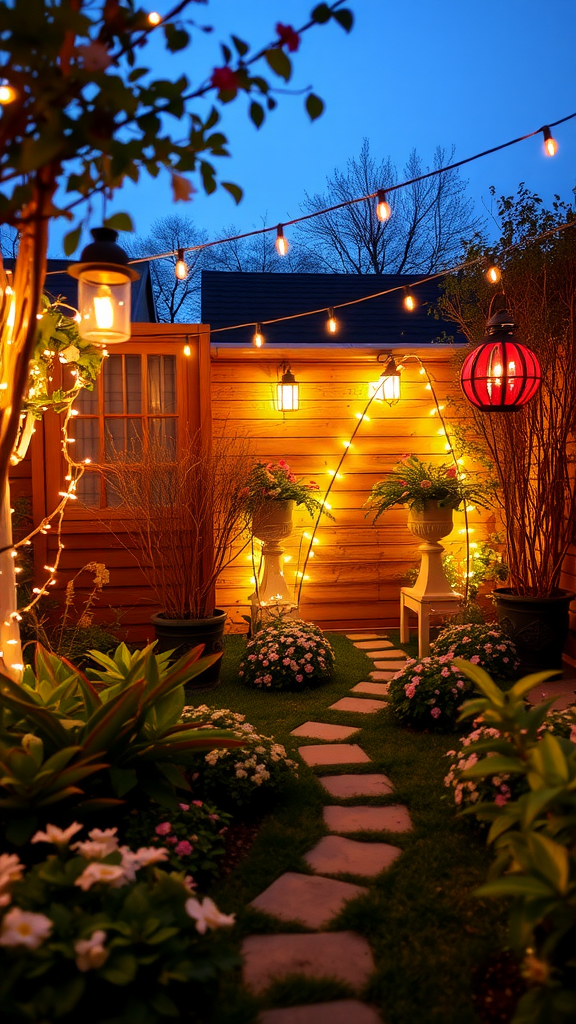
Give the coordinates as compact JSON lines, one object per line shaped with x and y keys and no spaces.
{"x":355,"y":576}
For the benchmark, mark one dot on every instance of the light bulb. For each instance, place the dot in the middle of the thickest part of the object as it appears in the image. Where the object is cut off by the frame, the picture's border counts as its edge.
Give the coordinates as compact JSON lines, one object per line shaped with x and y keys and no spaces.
{"x":550,"y":144}
{"x":103,"y":308}
{"x":187,"y":350}
{"x":332,"y":322}
{"x":281,"y":242}
{"x":181,"y":267}
{"x":493,"y":274}
{"x":409,"y":302}
{"x":258,"y":337}
{"x":7,"y":93}
{"x":154,"y":18}
{"x":383,"y":210}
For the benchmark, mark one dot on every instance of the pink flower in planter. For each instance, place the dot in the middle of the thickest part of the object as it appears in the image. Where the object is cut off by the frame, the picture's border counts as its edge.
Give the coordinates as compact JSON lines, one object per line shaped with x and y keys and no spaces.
{"x":198,"y":803}
{"x":474,"y":659}
{"x":435,"y":712}
{"x":451,"y":473}
{"x":184,"y":848}
{"x":184,"y":807}
{"x":163,"y":829}
{"x":410,"y":690}
{"x":425,"y":484}
{"x":308,"y":668}
{"x":283,"y":465}
{"x":299,"y":679}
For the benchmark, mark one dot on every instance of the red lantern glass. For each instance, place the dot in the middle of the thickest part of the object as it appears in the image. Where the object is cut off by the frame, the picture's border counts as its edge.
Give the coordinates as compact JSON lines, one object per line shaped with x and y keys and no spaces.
{"x":500,"y":375}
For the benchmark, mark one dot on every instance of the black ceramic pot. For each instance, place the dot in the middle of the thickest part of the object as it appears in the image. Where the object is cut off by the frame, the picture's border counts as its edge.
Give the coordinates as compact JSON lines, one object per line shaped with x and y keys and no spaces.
{"x":537,"y":625}
{"x":180,"y":635}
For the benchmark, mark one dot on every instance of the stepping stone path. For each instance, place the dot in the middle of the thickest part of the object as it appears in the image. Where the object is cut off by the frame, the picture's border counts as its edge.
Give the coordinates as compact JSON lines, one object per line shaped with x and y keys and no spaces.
{"x":315,"y":900}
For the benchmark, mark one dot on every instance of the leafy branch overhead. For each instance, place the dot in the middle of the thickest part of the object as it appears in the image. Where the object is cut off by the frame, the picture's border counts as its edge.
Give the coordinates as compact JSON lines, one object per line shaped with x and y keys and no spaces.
{"x":86,"y":114}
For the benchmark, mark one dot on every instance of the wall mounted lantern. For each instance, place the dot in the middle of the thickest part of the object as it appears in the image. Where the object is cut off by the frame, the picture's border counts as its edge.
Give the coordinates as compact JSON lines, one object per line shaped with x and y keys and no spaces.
{"x":500,"y":375}
{"x":387,"y":389}
{"x":104,"y":288}
{"x":287,"y":389}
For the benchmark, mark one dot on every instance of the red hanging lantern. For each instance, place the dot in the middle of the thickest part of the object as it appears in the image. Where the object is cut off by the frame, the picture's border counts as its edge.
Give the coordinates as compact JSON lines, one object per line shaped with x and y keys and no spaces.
{"x":500,"y":375}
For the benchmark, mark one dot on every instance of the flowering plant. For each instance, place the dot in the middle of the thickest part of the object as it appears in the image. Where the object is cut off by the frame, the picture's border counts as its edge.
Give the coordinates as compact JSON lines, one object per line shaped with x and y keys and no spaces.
{"x":427,"y":692}
{"x":193,"y":834}
{"x":261,"y":767}
{"x":276,"y":482}
{"x":483,"y":645}
{"x":102,"y":926}
{"x":414,"y":483}
{"x":287,"y":655}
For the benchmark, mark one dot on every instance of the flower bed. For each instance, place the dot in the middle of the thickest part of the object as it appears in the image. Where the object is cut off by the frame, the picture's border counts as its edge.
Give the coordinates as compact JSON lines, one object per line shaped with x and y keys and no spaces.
{"x":428,"y":693}
{"x":482,"y":645}
{"x":193,"y":835}
{"x":288,"y":655}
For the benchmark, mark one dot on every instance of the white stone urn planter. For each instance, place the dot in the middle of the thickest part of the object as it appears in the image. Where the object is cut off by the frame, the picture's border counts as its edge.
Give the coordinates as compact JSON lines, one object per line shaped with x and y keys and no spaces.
{"x":430,"y":525}
{"x":271,"y":524}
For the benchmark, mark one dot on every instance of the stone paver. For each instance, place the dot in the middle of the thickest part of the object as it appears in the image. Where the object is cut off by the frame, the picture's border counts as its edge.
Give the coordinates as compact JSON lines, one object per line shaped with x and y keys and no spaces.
{"x":369,"y":819}
{"x":385,"y":666}
{"x":563,"y":689}
{"x":381,"y":677}
{"x":344,"y":1011}
{"x":310,"y":899}
{"x":335,"y":855}
{"x":364,"y":706}
{"x":322,"y":731}
{"x":340,"y":753}
{"x":342,"y":955}
{"x":394,"y":654}
{"x":378,"y":689}
{"x":365,"y":636}
{"x":372,"y":644}
{"x":344,"y":786}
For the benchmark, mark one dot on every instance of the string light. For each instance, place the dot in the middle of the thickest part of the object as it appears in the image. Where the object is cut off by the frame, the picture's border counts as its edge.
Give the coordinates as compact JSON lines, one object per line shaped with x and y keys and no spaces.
{"x":331,"y":322}
{"x":181,"y":268}
{"x":281,"y":243}
{"x":494,"y":274}
{"x":409,"y":301}
{"x":258,"y":337}
{"x":383,"y":210}
{"x":187,"y":350}
{"x":550,"y":144}
{"x":154,"y":18}
{"x":7,"y":93}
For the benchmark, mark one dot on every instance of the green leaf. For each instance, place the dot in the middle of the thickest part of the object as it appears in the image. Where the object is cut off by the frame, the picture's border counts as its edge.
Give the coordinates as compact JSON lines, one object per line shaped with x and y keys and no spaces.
{"x":279,"y":63}
{"x":123,"y":780}
{"x":516,"y":885}
{"x":551,"y":860}
{"x":535,"y":802}
{"x":527,"y":683}
{"x":321,"y":14}
{"x":71,"y":241}
{"x":493,"y":766}
{"x":549,"y":761}
{"x":120,"y":222}
{"x":19,"y":830}
{"x":257,"y":113}
{"x":345,"y":18}
{"x":314,"y":106}
{"x":240,"y":45}
{"x":234,"y":190}
{"x":482,"y":681}
{"x":176,"y":38}
{"x":208,"y":179}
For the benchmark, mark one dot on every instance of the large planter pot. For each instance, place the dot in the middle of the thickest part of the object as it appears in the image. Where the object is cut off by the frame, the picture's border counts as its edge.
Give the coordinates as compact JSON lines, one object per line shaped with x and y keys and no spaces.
{"x":429,"y":526}
{"x":181,"y":635}
{"x":271,"y":524}
{"x":537,"y":625}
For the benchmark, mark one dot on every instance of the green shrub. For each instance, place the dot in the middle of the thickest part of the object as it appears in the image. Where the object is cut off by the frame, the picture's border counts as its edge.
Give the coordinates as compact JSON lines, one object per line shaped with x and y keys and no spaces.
{"x":287,"y":655}
{"x":99,"y":932}
{"x":428,"y":693}
{"x":483,"y":645}
{"x":238,"y":778}
{"x":193,"y":835}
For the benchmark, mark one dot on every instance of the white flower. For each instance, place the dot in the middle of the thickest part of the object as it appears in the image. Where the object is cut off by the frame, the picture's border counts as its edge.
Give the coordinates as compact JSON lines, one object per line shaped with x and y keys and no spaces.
{"x":58,"y":836}
{"x":133,"y":860}
{"x":99,"y":845}
{"x":11,"y":869}
{"x":91,"y":953}
{"x":207,"y":915}
{"x":23,"y":928}
{"x":112,"y":874}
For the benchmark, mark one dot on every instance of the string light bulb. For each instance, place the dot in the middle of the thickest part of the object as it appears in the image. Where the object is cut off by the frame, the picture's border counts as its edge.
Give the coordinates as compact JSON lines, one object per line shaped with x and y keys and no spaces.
{"x":181,"y":267}
{"x":258,"y":337}
{"x":383,"y":210}
{"x":332,"y":322}
{"x":154,"y":18}
{"x":409,"y":301}
{"x":550,"y":144}
{"x":281,"y":243}
{"x":494,"y":274}
{"x":7,"y":93}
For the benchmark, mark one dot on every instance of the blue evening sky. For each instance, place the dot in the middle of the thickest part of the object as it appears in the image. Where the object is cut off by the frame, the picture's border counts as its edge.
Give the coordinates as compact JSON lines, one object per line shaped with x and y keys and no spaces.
{"x":411,"y":74}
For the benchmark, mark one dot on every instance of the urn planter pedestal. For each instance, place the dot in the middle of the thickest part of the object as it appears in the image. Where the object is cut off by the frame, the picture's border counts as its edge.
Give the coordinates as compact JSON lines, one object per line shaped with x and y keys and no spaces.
{"x":272,"y":524}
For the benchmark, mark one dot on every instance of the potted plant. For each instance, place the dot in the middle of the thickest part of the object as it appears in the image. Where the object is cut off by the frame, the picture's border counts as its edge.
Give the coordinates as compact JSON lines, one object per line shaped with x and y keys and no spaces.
{"x":432,"y":493}
{"x":272,"y":492}
{"x":532,"y":450}
{"x":185,"y":518}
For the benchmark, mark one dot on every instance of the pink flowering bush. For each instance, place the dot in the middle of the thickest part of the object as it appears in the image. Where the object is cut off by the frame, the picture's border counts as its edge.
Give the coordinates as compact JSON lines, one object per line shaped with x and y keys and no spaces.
{"x":193,"y":835}
{"x":269,"y":481}
{"x":482,"y":645}
{"x":287,"y":655}
{"x":97,"y":931}
{"x":428,"y":693}
{"x":423,"y":485}
{"x":251,"y":774}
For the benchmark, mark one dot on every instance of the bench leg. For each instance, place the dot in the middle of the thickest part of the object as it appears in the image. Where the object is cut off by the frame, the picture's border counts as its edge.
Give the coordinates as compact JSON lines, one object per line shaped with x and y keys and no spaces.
{"x":404,"y":622}
{"x":424,"y":631}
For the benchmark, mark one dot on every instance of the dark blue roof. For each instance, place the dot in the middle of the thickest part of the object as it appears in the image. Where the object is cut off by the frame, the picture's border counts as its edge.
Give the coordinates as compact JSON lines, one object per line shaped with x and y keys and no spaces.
{"x":230,"y":298}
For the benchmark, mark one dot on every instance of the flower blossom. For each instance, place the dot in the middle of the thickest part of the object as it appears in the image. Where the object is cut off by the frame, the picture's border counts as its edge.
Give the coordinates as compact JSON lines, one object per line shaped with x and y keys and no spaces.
{"x":100,"y":843}
{"x":110,"y":874}
{"x":289,"y":38}
{"x":23,"y":928}
{"x":225,"y":80}
{"x":207,"y":915}
{"x":58,"y":836}
{"x":91,"y":953}
{"x":163,"y":829}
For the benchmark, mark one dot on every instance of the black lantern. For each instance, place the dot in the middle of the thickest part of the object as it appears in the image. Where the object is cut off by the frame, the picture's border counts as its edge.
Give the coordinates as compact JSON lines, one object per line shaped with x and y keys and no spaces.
{"x":288,"y":400}
{"x":104,"y":287}
{"x":501,"y":374}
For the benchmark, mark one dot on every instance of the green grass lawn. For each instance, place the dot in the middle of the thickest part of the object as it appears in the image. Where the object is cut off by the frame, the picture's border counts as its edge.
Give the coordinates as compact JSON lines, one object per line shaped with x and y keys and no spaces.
{"x":426,"y":931}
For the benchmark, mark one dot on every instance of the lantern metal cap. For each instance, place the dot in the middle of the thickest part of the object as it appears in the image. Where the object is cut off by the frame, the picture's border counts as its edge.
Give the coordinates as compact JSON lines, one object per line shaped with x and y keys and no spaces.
{"x":103,"y":253}
{"x":502,"y":321}
{"x":288,"y":377}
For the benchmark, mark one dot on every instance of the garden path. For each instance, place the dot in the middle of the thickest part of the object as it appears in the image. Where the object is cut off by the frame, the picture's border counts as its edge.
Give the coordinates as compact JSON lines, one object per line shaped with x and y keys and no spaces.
{"x":314,"y":900}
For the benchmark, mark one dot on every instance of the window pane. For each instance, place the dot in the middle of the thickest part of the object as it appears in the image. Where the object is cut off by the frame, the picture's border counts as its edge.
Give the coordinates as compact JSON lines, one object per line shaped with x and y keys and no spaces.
{"x":87,"y":402}
{"x":133,"y":367}
{"x":123,"y":437}
{"x":113,"y":385}
{"x":164,"y":431}
{"x":86,"y":434}
{"x":161,"y":384}
{"x":88,"y":490}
